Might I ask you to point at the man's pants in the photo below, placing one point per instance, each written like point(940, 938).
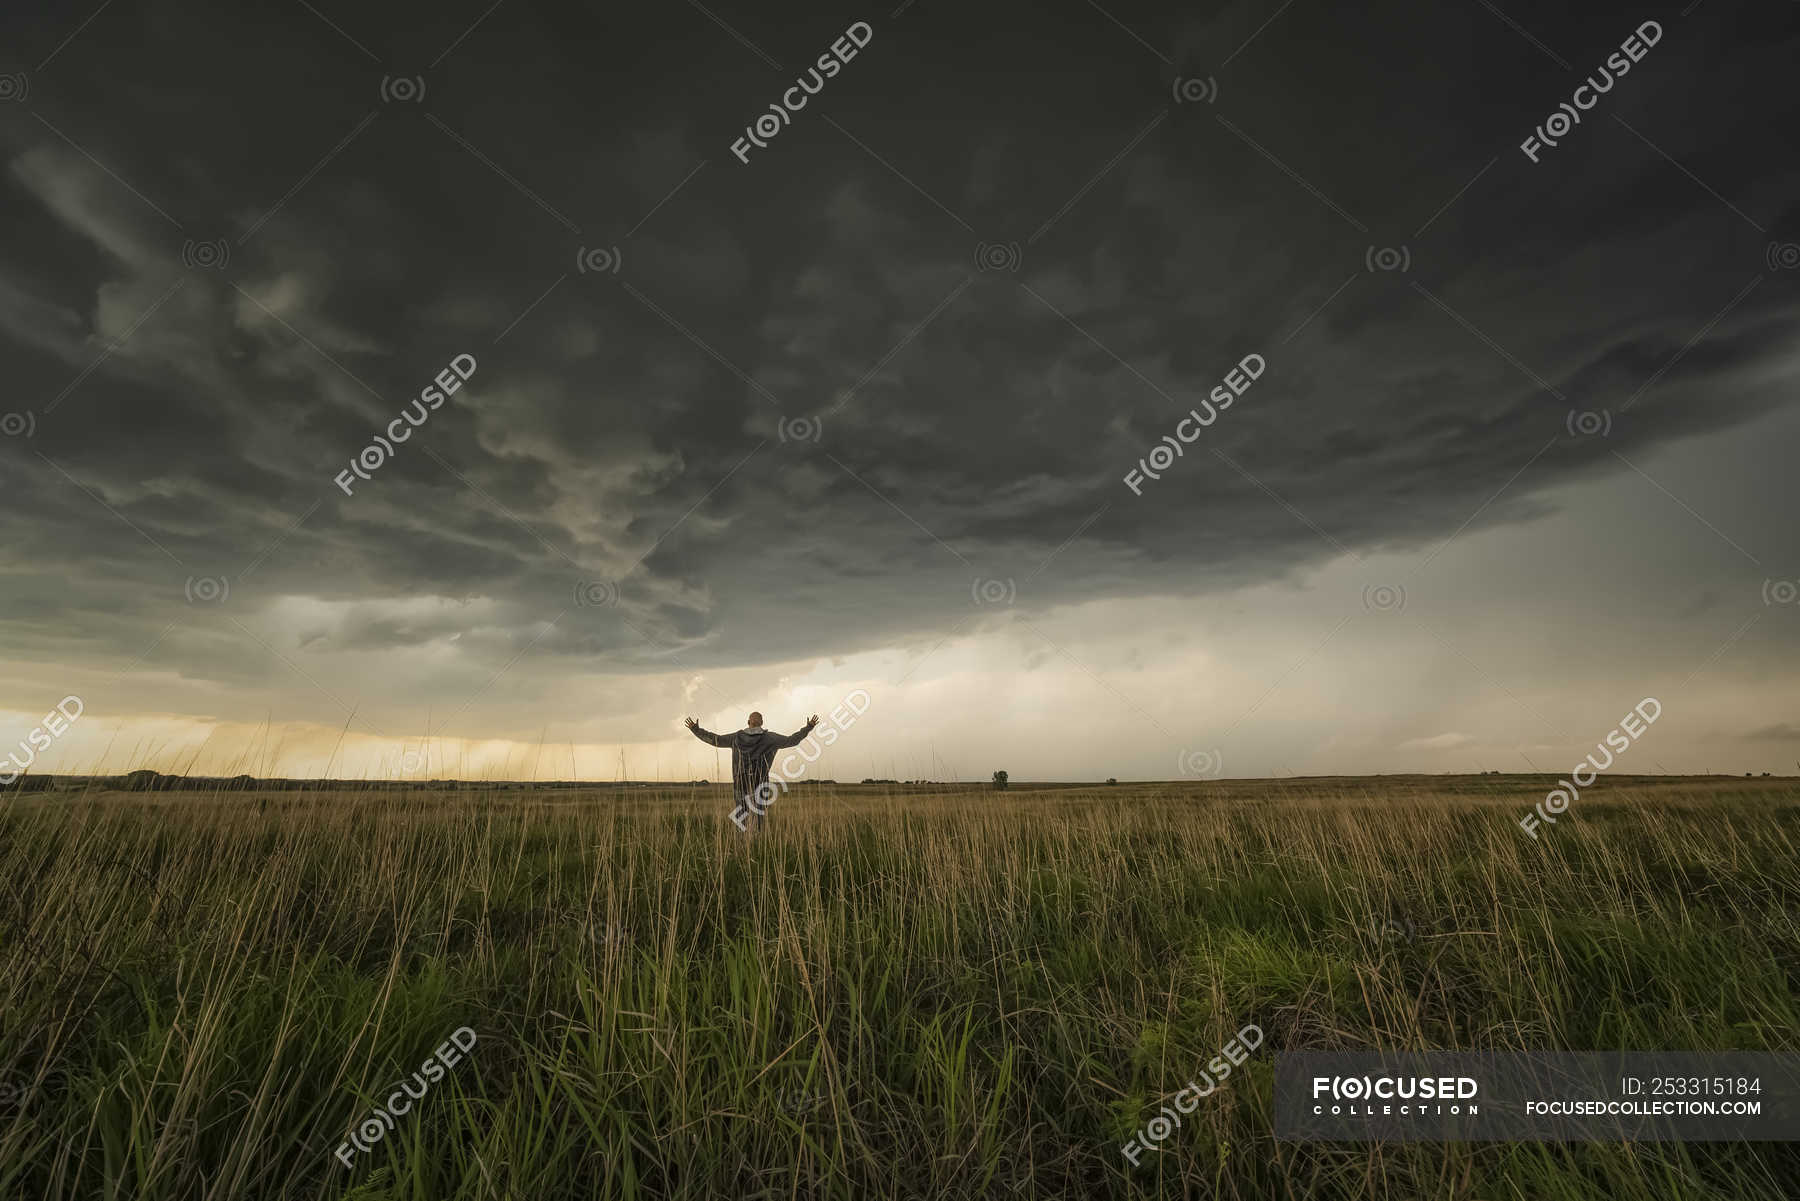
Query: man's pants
point(751, 813)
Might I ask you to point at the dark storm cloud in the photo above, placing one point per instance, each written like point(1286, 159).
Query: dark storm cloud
point(626, 431)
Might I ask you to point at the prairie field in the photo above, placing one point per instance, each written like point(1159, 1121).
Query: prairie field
point(917, 992)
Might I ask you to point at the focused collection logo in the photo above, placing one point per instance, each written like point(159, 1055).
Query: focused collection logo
point(1394, 1096)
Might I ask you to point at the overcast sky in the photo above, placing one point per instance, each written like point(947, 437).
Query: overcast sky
point(758, 426)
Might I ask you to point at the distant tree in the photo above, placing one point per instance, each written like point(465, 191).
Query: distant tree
point(1000, 778)
point(1112, 779)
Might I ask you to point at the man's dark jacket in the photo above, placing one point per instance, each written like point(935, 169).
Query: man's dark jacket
point(752, 751)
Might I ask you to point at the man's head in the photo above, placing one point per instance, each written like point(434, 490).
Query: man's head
point(755, 722)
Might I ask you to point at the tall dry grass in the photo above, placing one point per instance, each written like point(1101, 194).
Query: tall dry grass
point(963, 995)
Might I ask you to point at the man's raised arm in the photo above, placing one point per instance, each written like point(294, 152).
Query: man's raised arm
point(706, 736)
point(796, 739)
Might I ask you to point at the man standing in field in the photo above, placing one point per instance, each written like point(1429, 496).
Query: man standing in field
point(752, 751)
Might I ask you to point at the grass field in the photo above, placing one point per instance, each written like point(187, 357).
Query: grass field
point(959, 994)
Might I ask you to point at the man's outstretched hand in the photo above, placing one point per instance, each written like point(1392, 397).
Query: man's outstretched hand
point(692, 724)
point(813, 720)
